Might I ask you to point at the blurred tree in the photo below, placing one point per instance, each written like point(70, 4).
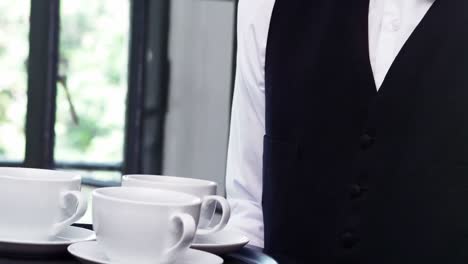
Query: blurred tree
point(14, 29)
point(93, 50)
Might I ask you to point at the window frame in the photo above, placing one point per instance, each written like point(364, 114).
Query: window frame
point(145, 36)
point(147, 92)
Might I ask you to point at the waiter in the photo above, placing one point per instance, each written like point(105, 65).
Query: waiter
point(349, 135)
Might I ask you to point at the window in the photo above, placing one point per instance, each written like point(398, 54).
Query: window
point(84, 84)
point(92, 83)
point(87, 107)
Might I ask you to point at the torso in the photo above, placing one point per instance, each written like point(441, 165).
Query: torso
point(356, 175)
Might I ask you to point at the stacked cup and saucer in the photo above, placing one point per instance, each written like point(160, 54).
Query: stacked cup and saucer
point(159, 220)
point(38, 208)
point(211, 235)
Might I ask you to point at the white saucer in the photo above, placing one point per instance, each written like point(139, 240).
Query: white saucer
point(220, 243)
point(39, 249)
point(90, 253)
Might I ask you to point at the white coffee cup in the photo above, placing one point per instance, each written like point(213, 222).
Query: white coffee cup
point(205, 190)
point(36, 204)
point(142, 225)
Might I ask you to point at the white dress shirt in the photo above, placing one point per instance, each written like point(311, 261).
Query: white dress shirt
point(391, 22)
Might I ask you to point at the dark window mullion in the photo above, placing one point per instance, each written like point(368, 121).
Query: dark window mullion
point(136, 87)
point(42, 83)
point(148, 87)
point(156, 90)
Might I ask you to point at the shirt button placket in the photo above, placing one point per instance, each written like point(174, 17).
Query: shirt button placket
point(395, 24)
point(390, 26)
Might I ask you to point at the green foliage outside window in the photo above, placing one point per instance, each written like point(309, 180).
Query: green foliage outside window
point(93, 68)
point(14, 47)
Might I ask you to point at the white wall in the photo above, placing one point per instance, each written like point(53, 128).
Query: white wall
point(201, 38)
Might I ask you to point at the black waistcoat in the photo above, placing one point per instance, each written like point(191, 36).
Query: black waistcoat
point(352, 175)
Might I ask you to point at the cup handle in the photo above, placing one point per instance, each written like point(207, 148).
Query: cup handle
point(224, 218)
point(82, 205)
point(189, 227)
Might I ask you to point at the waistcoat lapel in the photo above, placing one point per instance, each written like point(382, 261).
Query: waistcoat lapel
point(425, 42)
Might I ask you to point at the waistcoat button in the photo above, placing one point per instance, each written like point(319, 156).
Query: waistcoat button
point(348, 240)
point(367, 141)
point(356, 191)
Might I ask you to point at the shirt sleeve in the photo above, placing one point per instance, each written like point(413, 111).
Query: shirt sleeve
point(245, 153)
